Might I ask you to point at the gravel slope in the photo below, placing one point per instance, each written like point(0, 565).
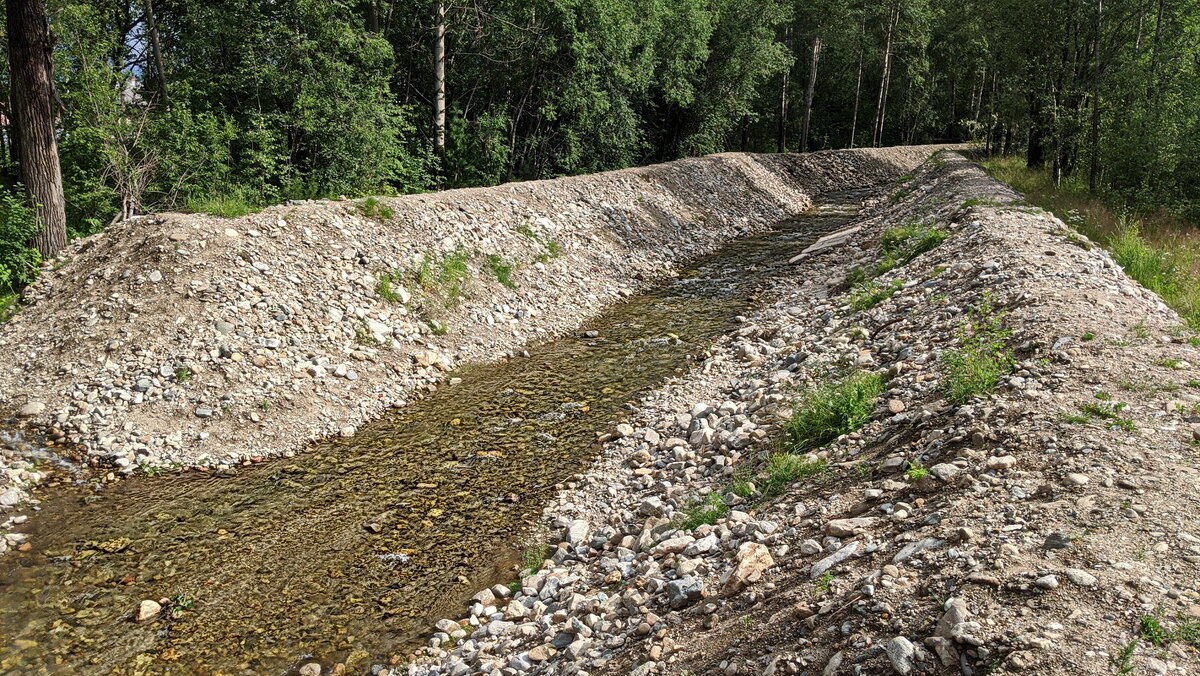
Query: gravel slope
point(1029, 530)
point(191, 340)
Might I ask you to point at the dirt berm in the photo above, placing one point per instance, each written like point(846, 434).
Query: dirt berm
point(1022, 496)
point(194, 340)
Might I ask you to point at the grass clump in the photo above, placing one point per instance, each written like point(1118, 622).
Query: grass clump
point(1110, 412)
point(502, 269)
point(827, 412)
point(532, 557)
point(901, 245)
point(984, 357)
point(704, 511)
point(445, 274)
point(785, 468)
point(371, 207)
point(869, 294)
point(226, 206)
point(385, 286)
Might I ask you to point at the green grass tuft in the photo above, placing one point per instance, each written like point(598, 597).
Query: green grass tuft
point(371, 207)
point(502, 269)
point(227, 206)
point(977, 366)
point(829, 411)
point(704, 511)
point(869, 294)
point(785, 468)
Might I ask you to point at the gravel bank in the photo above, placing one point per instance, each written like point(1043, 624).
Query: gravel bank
point(191, 340)
point(1030, 529)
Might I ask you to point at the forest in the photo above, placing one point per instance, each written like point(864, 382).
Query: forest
point(225, 107)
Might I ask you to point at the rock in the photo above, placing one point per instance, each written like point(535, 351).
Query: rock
point(10, 498)
point(902, 653)
point(651, 506)
point(913, 548)
point(1080, 577)
point(956, 614)
point(1001, 462)
point(1047, 582)
point(753, 559)
point(310, 669)
point(577, 532)
point(840, 528)
point(148, 610)
point(834, 663)
point(832, 560)
point(945, 471)
point(1076, 479)
point(31, 409)
point(1057, 541)
point(684, 591)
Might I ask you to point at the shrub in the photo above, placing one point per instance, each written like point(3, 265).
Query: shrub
point(230, 205)
point(827, 412)
point(18, 262)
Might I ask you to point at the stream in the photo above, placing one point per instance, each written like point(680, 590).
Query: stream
point(350, 551)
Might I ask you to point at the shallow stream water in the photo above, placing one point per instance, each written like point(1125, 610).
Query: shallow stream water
point(349, 551)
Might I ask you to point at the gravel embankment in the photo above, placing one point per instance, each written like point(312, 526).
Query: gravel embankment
point(1026, 530)
point(191, 340)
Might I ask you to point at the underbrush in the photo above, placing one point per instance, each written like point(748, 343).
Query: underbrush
point(1158, 249)
point(226, 206)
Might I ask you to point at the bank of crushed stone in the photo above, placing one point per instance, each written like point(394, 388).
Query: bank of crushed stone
point(1032, 537)
point(193, 340)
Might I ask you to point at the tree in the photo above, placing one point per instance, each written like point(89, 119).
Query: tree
point(33, 99)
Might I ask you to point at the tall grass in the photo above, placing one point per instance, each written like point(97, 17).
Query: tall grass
point(1158, 249)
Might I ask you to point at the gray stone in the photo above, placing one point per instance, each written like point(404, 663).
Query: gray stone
point(31, 409)
point(1080, 577)
point(684, 591)
point(1057, 541)
point(902, 653)
point(832, 560)
point(913, 548)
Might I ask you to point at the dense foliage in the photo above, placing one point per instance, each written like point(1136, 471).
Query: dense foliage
point(226, 106)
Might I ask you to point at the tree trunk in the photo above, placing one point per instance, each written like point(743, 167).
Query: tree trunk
point(33, 97)
point(885, 78)
point(1094, 164)
point(812, 86)
point(781, 123)
point(439, 79)
point(156, 47)
point(857, 84)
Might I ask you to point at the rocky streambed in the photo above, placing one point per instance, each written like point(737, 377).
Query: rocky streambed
point(342, 556)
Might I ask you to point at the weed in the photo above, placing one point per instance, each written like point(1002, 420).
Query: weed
point(916, 472)
point(1188, 631)
point(8, 306)
point(743, 488)
point(444, 274)
point(502, 269)
point(829, 411)
point(1088, 336)
point(1170, 362)
point(902, 244)
point(384, 286)
point(1140, 329)
point(264, 405)
point(373, 208)
point(1152, 629)
point(183, 374)
point(1109, 411)
point(784, 468)
point(977, 366)
point(1122, 660)
point(704, 511)
point(437, 328)
point(532, 557)
point(823, 584)
point(181, 603)
point(855, 276)
point(869, 294)
point(1103, 396)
